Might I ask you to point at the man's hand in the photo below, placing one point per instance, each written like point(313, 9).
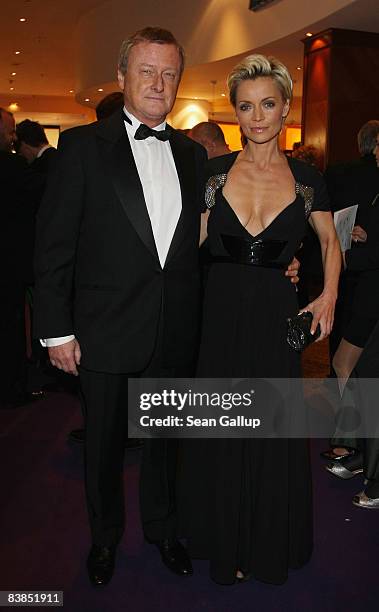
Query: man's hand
point(66, 357)
point(358, 234)
point(293, 270)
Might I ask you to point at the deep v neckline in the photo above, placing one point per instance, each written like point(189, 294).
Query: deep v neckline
point(254, 236)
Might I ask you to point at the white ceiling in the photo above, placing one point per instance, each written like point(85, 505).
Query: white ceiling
point(46, 64)
point(362, 15)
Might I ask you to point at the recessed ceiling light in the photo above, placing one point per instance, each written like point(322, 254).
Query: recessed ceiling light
point(13, 73)
point(100, 89)
point(309, 34)
point(196, 98)
point(11, 88)
point(22, 19)
point(71, 91)
point(223, 95)
point(86, 100)
point(298, 67)
point(17, 52)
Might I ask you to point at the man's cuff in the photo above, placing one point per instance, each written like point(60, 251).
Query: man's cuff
point(49, 342)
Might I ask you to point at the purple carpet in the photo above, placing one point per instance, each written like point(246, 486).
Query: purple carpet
point(45, 537)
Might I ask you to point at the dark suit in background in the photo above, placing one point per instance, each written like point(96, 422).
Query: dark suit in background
point(356, 182)
point(16, 196)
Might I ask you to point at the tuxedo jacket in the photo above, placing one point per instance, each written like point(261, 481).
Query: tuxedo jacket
point(17, 206)
point(45, 162)
point(41, 167)
point(97, 269)
point(363, 261)
point(355, 182)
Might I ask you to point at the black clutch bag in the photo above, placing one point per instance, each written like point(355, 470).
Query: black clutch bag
point(299, 331)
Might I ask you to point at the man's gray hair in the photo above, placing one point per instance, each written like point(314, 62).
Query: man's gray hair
point(367, 137)
point(152, 35)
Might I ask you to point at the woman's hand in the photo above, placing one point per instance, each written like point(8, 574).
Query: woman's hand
point(323, 313)
point(293, 270)
point(358, 234)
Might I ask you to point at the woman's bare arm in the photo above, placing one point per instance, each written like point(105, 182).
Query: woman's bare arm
point(322, 308)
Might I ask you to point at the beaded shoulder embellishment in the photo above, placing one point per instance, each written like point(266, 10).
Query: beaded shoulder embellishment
point(307, 193)
point(214, 183)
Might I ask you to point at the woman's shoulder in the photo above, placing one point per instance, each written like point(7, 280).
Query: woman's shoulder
point(311, 184)
point(220, 165)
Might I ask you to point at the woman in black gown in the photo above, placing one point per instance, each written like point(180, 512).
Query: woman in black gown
point(246, 504)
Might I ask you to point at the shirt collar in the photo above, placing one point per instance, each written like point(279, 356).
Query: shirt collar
point(42, 150)
point(136, 123)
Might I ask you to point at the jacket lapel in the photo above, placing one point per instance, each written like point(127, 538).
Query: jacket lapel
point(122, 170)
point(184, 162)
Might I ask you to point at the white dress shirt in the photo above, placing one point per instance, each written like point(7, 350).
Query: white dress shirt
point(161, 188)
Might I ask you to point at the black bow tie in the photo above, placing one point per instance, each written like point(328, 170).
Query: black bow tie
point(144, 131)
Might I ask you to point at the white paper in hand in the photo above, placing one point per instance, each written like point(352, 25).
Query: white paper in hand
point(344, 221)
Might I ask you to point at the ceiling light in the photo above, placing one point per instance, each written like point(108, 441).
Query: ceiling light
point(13, 73)
point(86, 100)
point(17, 52)
point(13, 106)
point(298, 67)
point(22, 19)
point(223, 95)
point(196, 98)
point(11, 88)
point(100, 89)
point(309, 34)
point(71, 91)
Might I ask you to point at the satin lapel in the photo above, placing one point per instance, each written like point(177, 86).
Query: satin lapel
point(185, 167)
point(124, 175)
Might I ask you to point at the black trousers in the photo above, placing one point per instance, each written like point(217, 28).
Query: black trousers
point(12, 327)
point(105, 410)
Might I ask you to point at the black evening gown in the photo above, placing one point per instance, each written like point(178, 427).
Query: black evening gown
point(246, 503)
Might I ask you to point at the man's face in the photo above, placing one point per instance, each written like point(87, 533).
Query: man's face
point(7, 132)
point(151, 81)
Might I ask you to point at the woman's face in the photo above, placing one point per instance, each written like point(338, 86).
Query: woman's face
point(260, 109)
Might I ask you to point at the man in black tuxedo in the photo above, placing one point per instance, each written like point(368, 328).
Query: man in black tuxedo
point(16, 191)
point(117, 286)
point(33, 144)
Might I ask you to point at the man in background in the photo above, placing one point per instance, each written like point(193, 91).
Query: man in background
point(211, 137)
point(32, 144)
point(16, 191)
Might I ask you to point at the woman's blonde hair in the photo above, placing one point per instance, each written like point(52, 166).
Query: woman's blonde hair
point(255, 66)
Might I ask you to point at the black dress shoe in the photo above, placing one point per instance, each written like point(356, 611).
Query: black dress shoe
point(175, 557)
point(100, 564)
point(77, 435)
